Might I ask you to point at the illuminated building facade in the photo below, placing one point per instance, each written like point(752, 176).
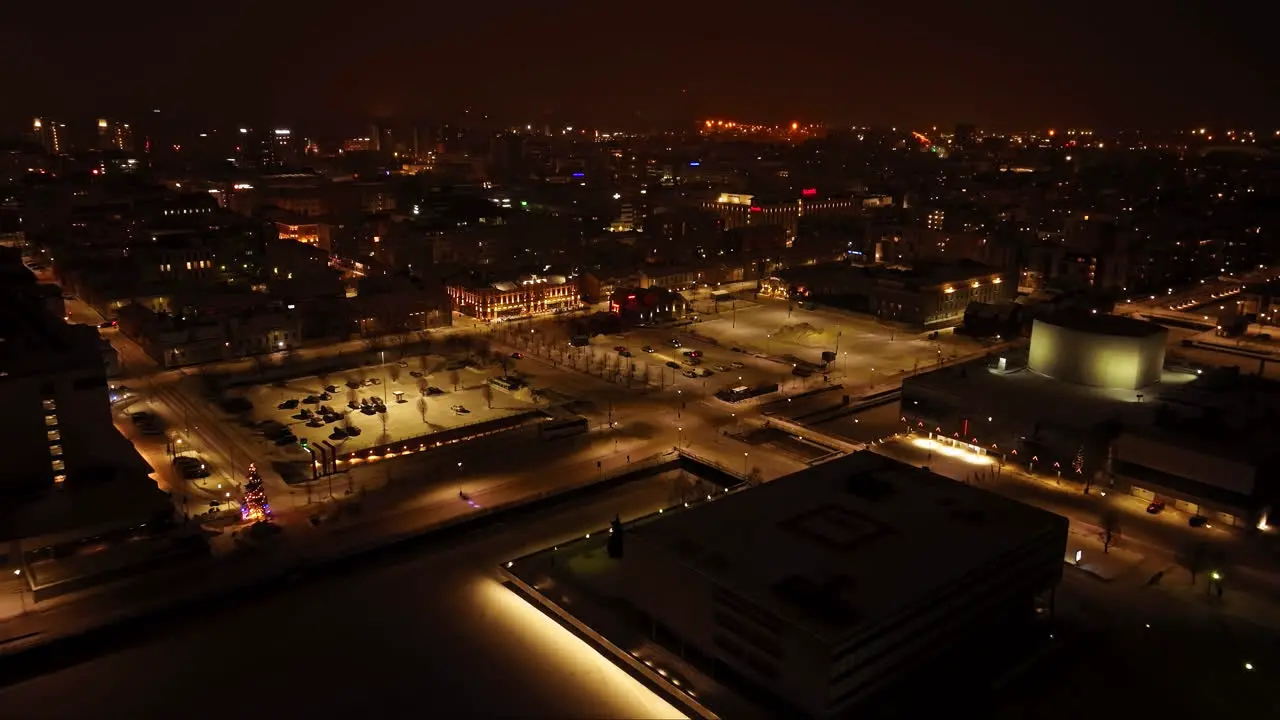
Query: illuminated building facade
point(57, 406)
point(308, 233)
point(739, 210)
point(526, 296)
point(49, 134)
point(114, 135)
point(1091, 392)
point(928, 295)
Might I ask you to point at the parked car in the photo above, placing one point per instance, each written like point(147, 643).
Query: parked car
point(517, 356)
point(460, 409)
point(736, 365)
point(1156, 507)
point(706, 373)
point(693, 353)
point(723, 368)
point(689, 374)
point(1198, 521)
point(415, 373)
point(289, 404)
point(107, 324)
point(191, 467)
point(433, 390)
point(624, 353)
point(673, 342)
point(673, 364)
point(647, 348)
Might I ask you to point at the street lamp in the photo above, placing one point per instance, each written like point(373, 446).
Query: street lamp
point(744, 463)
point(22, 595)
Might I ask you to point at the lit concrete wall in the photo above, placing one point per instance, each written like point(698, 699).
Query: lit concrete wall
point(1096, 359)
point(1180, 459)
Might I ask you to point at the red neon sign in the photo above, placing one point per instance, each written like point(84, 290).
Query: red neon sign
point(809, 191)
point(755, 209)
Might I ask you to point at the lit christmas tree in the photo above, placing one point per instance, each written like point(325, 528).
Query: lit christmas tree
point(1078, 463)
point(254, 507)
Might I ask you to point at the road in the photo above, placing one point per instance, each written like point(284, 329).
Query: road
point(1164, 539)
point(433, 635)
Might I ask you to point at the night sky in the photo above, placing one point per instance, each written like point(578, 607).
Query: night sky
point(322, 63)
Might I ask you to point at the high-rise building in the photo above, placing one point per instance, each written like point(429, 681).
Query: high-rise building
point(114, 135)
point(966, 136)
point(49, 134)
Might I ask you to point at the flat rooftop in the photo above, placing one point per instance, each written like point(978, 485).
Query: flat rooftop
point(1026, 393)
point(1104, 324)
point(848, 543)
point(1220, 411)
point(33, 342)
point(922, 274)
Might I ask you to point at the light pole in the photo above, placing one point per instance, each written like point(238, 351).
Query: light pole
point(679, 437)
point(744, 464)
point(22, 593)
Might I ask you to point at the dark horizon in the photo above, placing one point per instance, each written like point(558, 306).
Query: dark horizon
point(330, 65)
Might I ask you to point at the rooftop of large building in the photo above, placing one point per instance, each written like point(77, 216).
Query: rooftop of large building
point(919, 275)
point(981, 385)
point(34, 342)
point(1105, 324)
point(848, 542)
point(1216, 410)
point(509, 283)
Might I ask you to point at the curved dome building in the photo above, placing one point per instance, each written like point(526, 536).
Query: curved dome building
point(1098, 350)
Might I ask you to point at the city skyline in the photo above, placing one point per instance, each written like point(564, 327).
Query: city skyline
point(930, 64)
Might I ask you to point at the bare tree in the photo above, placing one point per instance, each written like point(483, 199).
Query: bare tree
point(480, 346)
point(393, 372)
point(385, 437)
point(454, 379)
point(487, 391)
point(1110, 522)
point(1197, 559)
point(422, 408)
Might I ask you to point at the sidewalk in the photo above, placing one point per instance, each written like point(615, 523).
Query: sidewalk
point(1108, 564)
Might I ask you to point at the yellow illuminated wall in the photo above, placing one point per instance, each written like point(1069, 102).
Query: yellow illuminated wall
point(1096, 359)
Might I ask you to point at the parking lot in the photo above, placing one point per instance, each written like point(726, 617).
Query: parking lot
point(378, 404)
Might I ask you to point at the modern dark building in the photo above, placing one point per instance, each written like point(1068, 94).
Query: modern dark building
point(831, 585)
point(925, 295)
